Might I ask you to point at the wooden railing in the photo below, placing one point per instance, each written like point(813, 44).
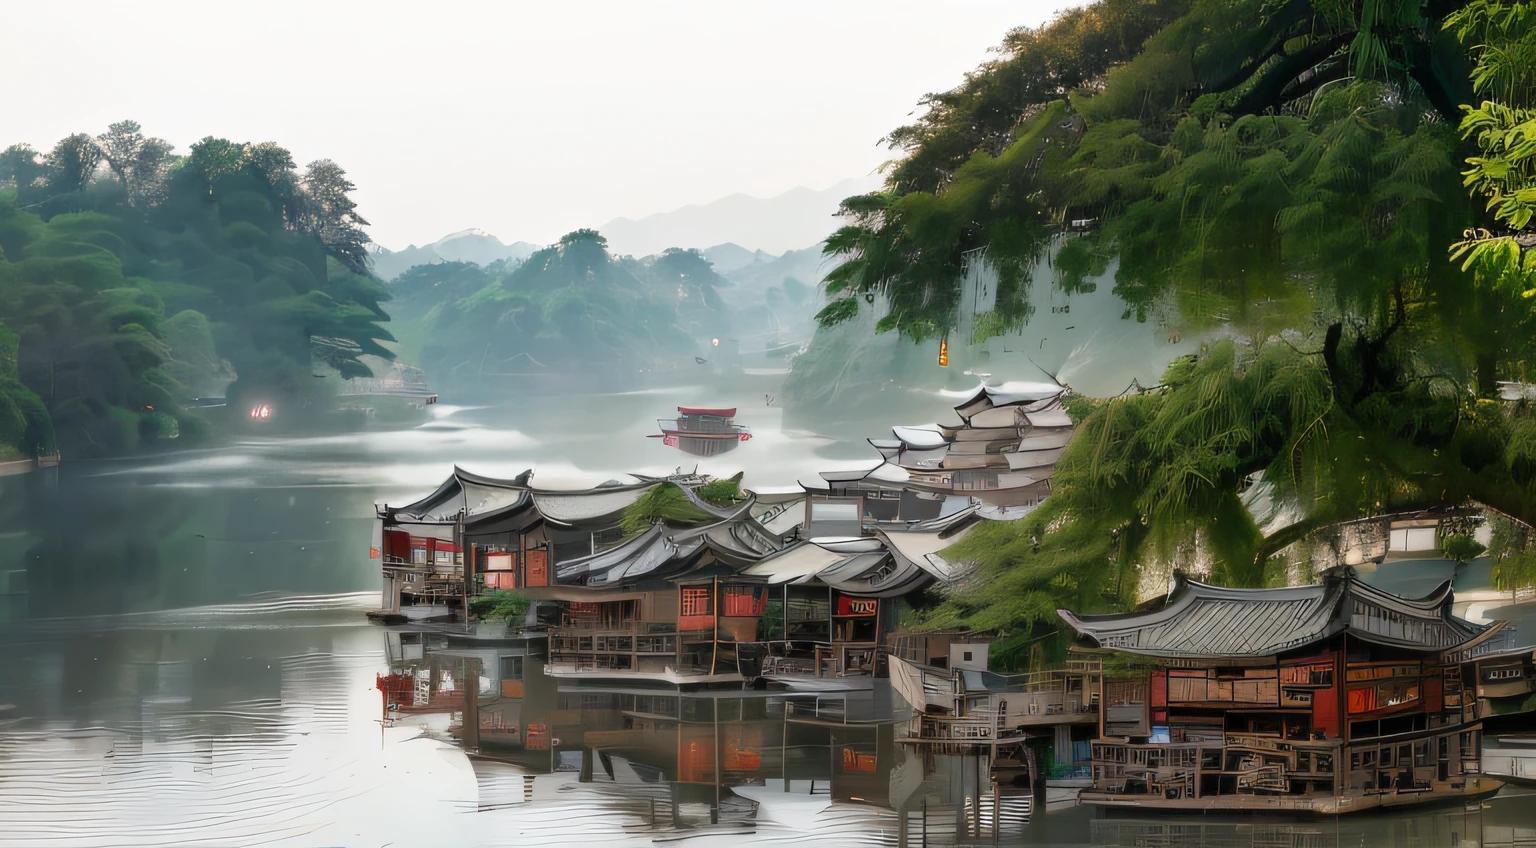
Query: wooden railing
point(981, 725)
point(817, 659)
point(639, 638)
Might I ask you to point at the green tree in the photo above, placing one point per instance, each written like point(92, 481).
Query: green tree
point(1284, 175)
point(1502, 37)
point(570, 309)
point(134, 280)
point(1513, 549)
point(696, 279)
point(22, 169)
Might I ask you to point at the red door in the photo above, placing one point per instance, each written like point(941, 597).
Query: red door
point(538, 568)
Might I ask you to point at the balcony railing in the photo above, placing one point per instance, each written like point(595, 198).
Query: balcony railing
point(817, 659)
point(1115, 758)
point(636, 639)
point(976, 726)
point(699, 426)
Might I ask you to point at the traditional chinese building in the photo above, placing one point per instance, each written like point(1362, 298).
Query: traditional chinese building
point(1329, 698)
point(733, 592)
point(1002, 453)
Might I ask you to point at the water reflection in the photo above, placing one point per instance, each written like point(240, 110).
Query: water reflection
point(268, 724)
point(183, 661)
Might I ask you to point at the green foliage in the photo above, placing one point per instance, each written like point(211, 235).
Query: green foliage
point(570, 309)
point(1033, 67)
point(770, 625)
point(192, 360)
point(1461, 548)
point(501, 604)
point(1283, 176)
point(722, 492)
point(1503, 127)
point(850, 355)
point(1512, 547)
point(695, 277)
point(664, 502)
point(908, 249)
point(135, 287)
point(1122, 666)
point(25, 428)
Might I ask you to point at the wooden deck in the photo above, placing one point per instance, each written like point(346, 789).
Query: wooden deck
point(1458, 791)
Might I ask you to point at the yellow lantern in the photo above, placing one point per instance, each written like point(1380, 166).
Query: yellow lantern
point(944, 353)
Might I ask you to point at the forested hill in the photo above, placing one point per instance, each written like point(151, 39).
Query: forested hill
point(1341, 191)
point(133, 279)
point(572, 315)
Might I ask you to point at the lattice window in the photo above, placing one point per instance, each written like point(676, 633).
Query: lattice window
point(696, 602)
point(745, 600)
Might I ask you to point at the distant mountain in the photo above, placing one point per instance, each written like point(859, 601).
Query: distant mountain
point(766, 270)
point(477, 246)
point(791, 220)
point(729, 257)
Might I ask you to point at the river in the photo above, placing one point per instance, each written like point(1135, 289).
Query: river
point(184, 659)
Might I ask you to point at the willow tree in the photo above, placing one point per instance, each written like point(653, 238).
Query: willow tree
point(1285, 177)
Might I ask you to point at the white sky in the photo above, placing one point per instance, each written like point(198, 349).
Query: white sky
point(524, 119)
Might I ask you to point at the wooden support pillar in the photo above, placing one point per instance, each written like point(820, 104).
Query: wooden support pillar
point(586, 766)
point(1036, 778)
point(471, 684)
point(997, 812)
point(714, 812)
point(464, 565)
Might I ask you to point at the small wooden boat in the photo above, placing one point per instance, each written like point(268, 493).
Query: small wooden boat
point(703, 431)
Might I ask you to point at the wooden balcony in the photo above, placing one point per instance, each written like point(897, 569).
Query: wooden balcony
point(821, 660)
point(635, 638)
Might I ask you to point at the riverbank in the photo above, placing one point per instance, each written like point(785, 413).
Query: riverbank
point(24, 466)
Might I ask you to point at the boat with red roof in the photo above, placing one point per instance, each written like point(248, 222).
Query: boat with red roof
point(703, 431)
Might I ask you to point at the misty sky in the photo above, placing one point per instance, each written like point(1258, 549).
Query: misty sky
point(524, 119)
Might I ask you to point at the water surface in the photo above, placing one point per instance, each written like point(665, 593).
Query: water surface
point(184, 661)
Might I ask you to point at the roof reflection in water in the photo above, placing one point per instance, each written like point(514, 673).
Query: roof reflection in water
point(252, 729)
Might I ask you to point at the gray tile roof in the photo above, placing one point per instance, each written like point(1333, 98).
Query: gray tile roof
point(1211, 621)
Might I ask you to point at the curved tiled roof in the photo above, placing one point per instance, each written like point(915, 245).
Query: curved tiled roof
point(1012, 392)
point(732, 511)
point(574, 507)
point(473, 494)
point(1049, 418)
point(1211, 621)
point(874, 575)
point(921, 437)
point(637, 557)
point(663, 551)
point(797, 562)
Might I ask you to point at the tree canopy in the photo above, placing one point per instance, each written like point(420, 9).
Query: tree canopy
point(571, 309)
point(133, 280)
point(1290, 179)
